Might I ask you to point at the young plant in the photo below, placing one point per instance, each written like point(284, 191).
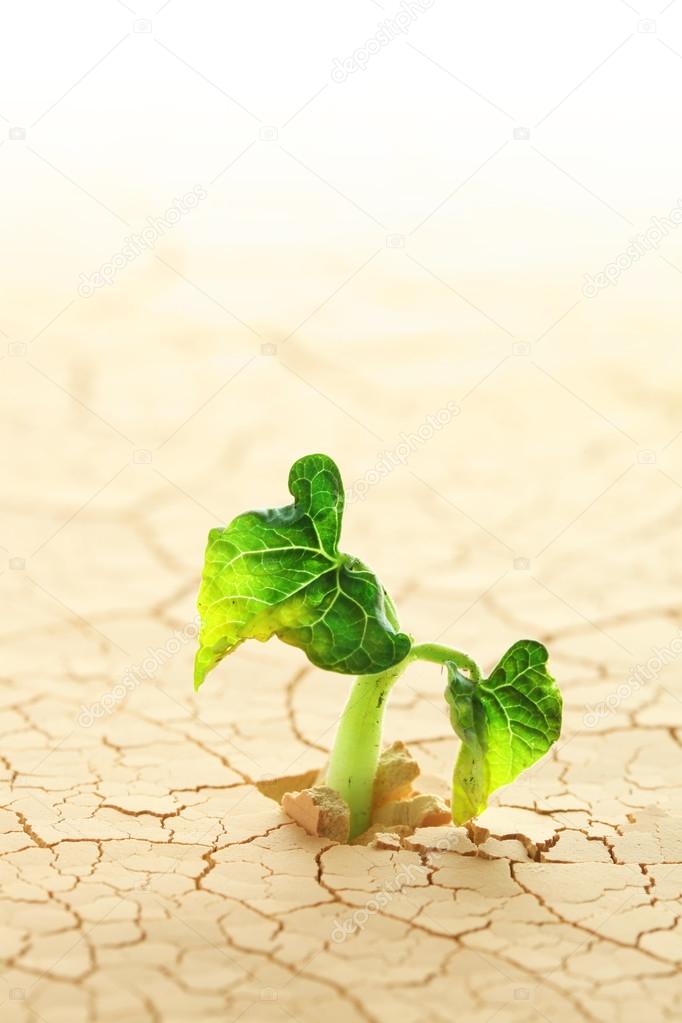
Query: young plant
point(279, 572)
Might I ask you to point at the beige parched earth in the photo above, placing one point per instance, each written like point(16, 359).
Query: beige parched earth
point(144, 877)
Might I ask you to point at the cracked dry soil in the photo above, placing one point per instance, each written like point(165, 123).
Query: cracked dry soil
point(143, 874)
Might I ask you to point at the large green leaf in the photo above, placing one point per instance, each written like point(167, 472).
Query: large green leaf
point(279, 572)
point(506, 723)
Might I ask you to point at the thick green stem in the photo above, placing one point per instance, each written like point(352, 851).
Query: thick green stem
point(354, 758)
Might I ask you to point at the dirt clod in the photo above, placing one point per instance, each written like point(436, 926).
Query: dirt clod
point(396, 771)
point(320, 811)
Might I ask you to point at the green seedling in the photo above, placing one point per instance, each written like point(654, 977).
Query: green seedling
point(279, 572)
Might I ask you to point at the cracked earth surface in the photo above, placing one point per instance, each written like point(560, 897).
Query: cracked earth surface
point(143, 874)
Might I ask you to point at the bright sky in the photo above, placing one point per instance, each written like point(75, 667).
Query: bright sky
point(491, 138)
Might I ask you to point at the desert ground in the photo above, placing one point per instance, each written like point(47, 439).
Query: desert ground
point(144, 875)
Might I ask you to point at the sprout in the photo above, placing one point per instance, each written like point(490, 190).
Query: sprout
point(279, 572)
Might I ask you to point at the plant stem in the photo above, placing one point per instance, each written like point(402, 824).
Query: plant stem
point(355, 755)
point(438, 654)
point(354, 758)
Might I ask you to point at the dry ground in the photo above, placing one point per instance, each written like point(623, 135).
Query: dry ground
point(143, 875)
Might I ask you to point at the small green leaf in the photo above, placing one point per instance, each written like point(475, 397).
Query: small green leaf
point(279, 572)
point(506, 723)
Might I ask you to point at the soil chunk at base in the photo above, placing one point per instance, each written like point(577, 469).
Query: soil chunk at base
point(320, 811)
point(422, 811)
point(396, 771)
